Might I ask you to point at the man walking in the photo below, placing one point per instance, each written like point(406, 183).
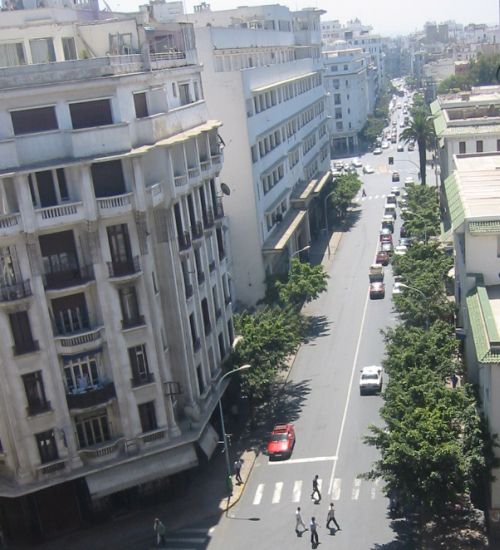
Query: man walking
point(316, 489)
point(160, 531)
point(299, 522)
point(331, 517)
point(313, 526)
point(237, 470)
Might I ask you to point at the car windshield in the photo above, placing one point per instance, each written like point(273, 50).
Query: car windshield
point(279, 437)
point(369, 377)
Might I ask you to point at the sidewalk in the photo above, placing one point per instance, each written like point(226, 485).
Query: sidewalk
point(205, 498)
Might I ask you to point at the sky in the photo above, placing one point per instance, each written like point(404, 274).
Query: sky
point(387, 17)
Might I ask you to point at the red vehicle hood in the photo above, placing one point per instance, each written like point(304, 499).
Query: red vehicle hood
point(278, 446)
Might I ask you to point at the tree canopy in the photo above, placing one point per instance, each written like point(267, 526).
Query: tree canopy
point(479, 72)
point(305, 283)
point(421, 130)
point(345, 189)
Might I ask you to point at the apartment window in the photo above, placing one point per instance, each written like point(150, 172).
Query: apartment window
point(174, 89)
point(88, 114)
point(255, 156)
point(194, 332)
point(206, 317)
point(108, 179)
point(21, 333)
point(346, 67)
point(48, 187)
point(339, 126)
point(81, 373)
point(222, 347)
point(8, 266)
point(120, 249)
point(334, 68)
point(35, 393)
point(130, 307)
point(147, 416)
point(199, 376)
point(141, 105)
point(59, 256)
point(479, 146)
point(92, 430)
point(42, 50)
point(336, 99)
point(47, 447)
point(184, 94)
point(12, 55)
point(70, 314)
point(69, 48)
point(30, 121)
point(338, 113)
point(462, 148)
point(139, 365)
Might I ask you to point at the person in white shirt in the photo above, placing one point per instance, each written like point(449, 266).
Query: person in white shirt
point(299, 522)
point(313, 526)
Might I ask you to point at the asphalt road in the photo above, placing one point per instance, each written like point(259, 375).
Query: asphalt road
point(322, 399)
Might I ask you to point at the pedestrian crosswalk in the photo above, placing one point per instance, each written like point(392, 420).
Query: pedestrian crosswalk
point(298, 490)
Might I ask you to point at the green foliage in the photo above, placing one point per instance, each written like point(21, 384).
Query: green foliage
point(372, 129)
point(455, 82)
point(422, 218)
point(305, 283)
point(272, 294)
point(480, 72)
point(345, 189)
point(421, 130)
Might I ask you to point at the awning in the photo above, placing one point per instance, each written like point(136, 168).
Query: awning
point(141, 470)
point(278, 240)
point(208, 440)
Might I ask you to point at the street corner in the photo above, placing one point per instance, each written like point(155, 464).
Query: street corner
point(248, 458)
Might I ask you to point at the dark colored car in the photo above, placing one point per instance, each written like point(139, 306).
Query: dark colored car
point(395, 176)
point(377, 290)
point(281, 441)
point(382, 258)
point(403, 232)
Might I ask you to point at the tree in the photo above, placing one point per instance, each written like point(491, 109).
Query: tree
point(479, 72)
point(305, 283)
point(345, 189)
point(422, 217)
point(421, 130)
point(455, 82)
point(372, 129)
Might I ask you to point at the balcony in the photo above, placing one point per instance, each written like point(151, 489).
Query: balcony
point(10, 223)
point(59, 214)
point(138, 321)
point(152, 437)
point(180, 180)
point(211, 266)
point(26, 347)
point(116, 205)
point(155, 193)
point(196, 344)
point(100, 453)
point(124, 268)
point(52, 467)
point(142, 379)
point(38, 408)
point(184, 240)
point(205, 165)
point(17, 291)
point(101, 140)
point(91, 396)
point(89, 339)
point(197, 230)
point(193, 172)
point(189, 291)
point(69, 278)
point(219, 209)
point(201, 277)
point(208, 218)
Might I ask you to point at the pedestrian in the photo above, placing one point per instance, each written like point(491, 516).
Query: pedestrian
point(298, 521)
point(313, 526)
point(454, 380)
point(316, 489)
point(363, 194)
point(160, 531)
point(331, 517)
point(237, 470)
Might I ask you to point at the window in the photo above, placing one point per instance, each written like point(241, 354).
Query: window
point(47, 447)
point(194, 332)
point(12, 55)
point(479, 146)
point(92, 430)
point(8, 266)
point(139, 365)
point(462, 148)
point(130, 307)
point(346, 67)
point(60, 260)
point(21, 333)
point(498, 144)
point(42, 50)
point(48, 187)
point(119, 246)
point(338, 112)
point(81, 373)
point(199, 376)
point(87, 114)
point(35, 393)
point(108, 179)
point(184, 94)
point(174, 89)
point(30, 121)
point(141, 105)
point(70, 314)
point(222, 347)
point(147, 416)
point(69, 48)
point(336, 99)
point(339, 126)
point(206, 317)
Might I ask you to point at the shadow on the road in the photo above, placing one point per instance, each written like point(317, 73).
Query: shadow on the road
point(406, 537)
point(318, 325)
point(244, 519)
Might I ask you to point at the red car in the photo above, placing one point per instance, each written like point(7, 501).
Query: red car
point(382, 258)
point(386, 238)
point(281, 441)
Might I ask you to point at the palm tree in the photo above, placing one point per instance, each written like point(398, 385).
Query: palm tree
point(421, 130)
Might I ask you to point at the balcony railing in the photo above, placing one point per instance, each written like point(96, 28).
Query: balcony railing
point(124, 268)
point(51, 467)
point(219, 209)
point(193, 172)
point(197, 230)
point(59, 210)
point(68, 278)
point(79, 339)
point(172, 388)
point(205, 165)
point(180, 180)
point(153, 436)
point(9, 220)
point(208, 218)
point(16, 291)
point(201, 277)
point(189, 290)
point(184, 240)
point(107, 449)
point(135, 322)
point(117, 201)
point(143, 379)
point(38, 408)
point(26, 347)
point(91, 396)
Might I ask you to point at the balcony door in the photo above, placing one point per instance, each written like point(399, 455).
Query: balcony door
point(60, 261)
point(119, 246)
point(70, 314)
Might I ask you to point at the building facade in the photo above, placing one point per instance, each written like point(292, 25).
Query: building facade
point(115, 300)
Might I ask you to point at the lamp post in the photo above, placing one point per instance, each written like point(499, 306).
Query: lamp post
point(224, 435)
point(403, 285)
point(293, 254)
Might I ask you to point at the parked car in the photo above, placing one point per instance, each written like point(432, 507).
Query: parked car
point(403, 232)
point(386, 246)
point(400, 250)
point(395, 176)
point(388, 223)
point(385, 145)
point(281, 441)
point(385, 238)
point(400, 147)
point(377, 290)
point(356, 163)
point(409, 180)
point(406, 241)
point(367, 169)
point(391, 199)
point(377, 151)
point(402, 202)
point(395, 189)
point(382, 258)
point(376, 273)
point(371, 380)
point(390, 210)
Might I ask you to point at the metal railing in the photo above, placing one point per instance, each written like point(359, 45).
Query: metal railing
point(142, 379)
point(184, 240)
point(16, 291)
point(208, 218)
point(123, 268)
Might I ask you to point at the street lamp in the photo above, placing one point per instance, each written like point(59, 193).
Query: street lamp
point(295, 254)
point(403, 285)
point(224, 435)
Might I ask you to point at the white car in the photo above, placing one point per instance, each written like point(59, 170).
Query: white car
point(400, 250)
point(409, 180)
point(377, 151)
point(371, 380)
point(401, 148)
point(356, 163)
point(385, 145)
point(395, 190)
point(367, 169)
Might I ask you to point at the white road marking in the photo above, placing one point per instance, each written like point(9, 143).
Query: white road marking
point(302, 460)
point(337, 482)
point(297, 491)
point(373, 492)
point(320, 484)
point(355, 489)
point(278, 487)
point(258, 494)
point(349, 391)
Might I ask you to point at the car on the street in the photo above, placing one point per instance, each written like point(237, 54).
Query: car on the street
point(367, 169)
point(395, 176)
point(382, 258)
point(377, 290)
point(403, 232)
point(385, 145)
point(371, 379)
point(388, 223)
point(338, 164)
point(395, 190)
point(356, 163)
point(400, 250)
point(394, 138)
point(391, 199)
point(409, 180)
point(386, 247)
point(400, 148)
point(281, 441)
point(385, 237)
point(411, 146)
point(377, 151)
point(390, 210)
point(402, 202)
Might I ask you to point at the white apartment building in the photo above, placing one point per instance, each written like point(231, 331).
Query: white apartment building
point(467, 122)
point(350, 98)
point(473, 197)
point(262, 77)
point(115, 304)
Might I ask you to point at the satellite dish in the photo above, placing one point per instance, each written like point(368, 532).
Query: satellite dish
point(225, 189)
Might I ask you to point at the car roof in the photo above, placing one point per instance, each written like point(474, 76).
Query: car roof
point(282, 428)
point(371, 368)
